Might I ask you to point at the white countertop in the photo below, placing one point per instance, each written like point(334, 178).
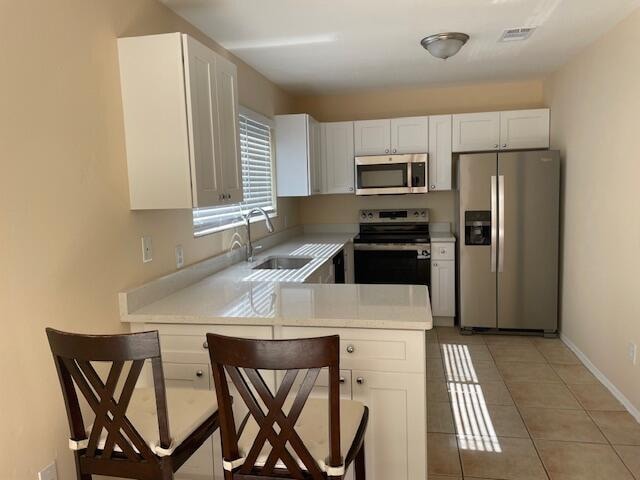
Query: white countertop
point(222, 302)
point(240, 295)
point(442, 237)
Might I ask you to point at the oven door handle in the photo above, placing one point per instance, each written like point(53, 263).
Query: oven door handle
point(390, 247)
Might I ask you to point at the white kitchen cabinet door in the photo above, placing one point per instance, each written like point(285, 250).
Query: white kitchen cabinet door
point(180, 113)
point(297, 148)
point(229, 159)
point(316, 166)
point(395, 441)
point(476, 132)
point(523, 129)
point(337, 157)
point(196, 376)
point(372, 137)
point(410, 135)
point(440, 152)
point(443, 284)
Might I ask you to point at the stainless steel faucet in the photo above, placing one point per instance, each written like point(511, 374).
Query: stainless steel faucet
point(247, 219)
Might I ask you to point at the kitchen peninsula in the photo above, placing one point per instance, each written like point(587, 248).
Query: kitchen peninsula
point(381, 328)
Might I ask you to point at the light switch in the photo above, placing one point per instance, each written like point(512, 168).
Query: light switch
point(147, 249)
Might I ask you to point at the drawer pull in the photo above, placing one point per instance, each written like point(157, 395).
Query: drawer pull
point(350, 349)
point(199, 373)
point(359, 380)
point(205, 345)
point(342, 380)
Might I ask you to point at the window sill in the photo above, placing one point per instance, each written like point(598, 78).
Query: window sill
point(229, 226)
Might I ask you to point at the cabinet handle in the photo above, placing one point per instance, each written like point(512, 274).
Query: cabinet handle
point(504, 146)
point(342, 380)
point(350, 349)
point(351, 189)
point(496, 146)
point(359, 380)
point(205, 345)
point(394, 150)
point(386, 150)
point(433, 187)
point(199, 373)
point(443, 251)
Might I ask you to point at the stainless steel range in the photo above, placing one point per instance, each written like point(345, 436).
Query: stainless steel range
point(393, 247)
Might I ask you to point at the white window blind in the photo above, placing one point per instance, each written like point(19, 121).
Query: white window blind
point(256, 151)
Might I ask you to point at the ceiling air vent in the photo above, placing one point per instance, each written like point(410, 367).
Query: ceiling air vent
point(516, 34)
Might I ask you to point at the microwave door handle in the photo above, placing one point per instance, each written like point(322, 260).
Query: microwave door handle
point(409, 176)
point(494, 222)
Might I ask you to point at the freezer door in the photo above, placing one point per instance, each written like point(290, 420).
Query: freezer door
point(529, 186)
point(476, 174)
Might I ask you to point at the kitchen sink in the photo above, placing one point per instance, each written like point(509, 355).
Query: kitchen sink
point(282, 263)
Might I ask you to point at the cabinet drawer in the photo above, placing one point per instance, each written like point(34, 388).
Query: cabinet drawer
point(443, 251)
point(184, 375)
point(321, 387)
point(187, 343)
point(381, 350)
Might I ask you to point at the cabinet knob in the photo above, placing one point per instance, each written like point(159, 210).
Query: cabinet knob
point(504, 146)
point(359, 380)
point(199, 373)
point(342, 380)
point(205, 345)
point(350, 349)
point(443, 251)
point(351, 189)
point(386, 150)
point(435, 264)
point(496, 146)
point(433, 187)
point(394, 150)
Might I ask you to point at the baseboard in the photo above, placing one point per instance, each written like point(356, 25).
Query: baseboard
point(601, 376)
point(443, 321)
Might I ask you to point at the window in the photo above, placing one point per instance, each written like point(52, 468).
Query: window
point(256, 152)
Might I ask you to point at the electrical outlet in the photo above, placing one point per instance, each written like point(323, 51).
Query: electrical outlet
point(179, 256)
point(147, 249)
point(632, 352)
point(49, 472)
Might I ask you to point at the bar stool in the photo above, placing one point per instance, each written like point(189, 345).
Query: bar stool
point(140, 433)
point(286, 435)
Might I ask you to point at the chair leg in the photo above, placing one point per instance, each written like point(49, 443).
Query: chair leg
point(81, 476)
point(359, 464)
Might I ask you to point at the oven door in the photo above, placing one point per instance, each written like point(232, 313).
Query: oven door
point(392, 264)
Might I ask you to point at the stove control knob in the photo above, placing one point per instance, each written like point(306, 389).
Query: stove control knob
point(363, 215)
point(415, 214)
point(370, 215)
point(423, 214)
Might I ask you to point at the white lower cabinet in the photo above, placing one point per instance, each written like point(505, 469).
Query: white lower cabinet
point(395, 444)
point(384, 369)
point(196, 376)
point(443, 285)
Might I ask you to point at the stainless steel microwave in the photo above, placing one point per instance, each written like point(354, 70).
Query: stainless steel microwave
point(392, 174)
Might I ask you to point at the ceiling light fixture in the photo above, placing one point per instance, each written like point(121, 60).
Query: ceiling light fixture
point(444, 45)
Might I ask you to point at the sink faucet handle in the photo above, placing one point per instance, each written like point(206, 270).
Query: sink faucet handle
point(257, 248)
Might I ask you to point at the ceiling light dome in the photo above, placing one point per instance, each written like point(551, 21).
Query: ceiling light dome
point(444, 45)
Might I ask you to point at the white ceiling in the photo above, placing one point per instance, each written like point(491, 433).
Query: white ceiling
point(320, 46)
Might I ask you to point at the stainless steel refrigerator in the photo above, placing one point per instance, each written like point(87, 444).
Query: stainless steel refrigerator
point(509, 229)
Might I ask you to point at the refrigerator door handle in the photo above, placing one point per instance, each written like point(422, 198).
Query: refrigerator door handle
point(500, 223)
point(494, 222)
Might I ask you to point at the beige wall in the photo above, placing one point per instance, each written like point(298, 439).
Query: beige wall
point(595, 100)
point(68, 242)
point(407, 102)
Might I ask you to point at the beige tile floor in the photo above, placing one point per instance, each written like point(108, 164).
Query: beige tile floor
point(522, 408)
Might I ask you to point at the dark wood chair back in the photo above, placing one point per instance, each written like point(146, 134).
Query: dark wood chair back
point(241, 359)
point(73, 354)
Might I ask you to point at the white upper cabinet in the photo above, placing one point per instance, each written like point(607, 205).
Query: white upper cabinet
point(298, 167)
point(372, 137)
point(410, 135)
point(231, 168)
point(476, 132)
point(180, 106)
point(512, 130)
point(522, 129)
point(440, 153)
point(337, 157)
